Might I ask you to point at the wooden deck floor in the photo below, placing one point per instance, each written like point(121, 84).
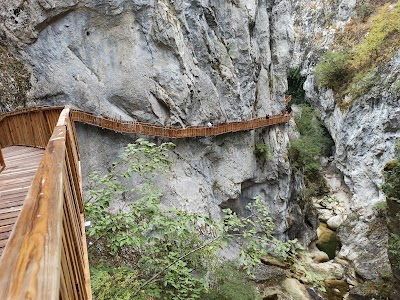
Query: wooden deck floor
point(15, 181)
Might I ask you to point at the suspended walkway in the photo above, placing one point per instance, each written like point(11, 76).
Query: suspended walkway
point(42, 237)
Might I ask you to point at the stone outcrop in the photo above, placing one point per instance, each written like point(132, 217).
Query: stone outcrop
point(14, 81)
point(175, 63)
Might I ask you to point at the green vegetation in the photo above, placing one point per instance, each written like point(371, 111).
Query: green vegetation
point(369, 43)
point(228, 283)
point(139, 250)
point(295, 85)
point(391, 173)
point(391, 188)
point(364, 11)
point(394, 250)
point(380, 208)
point(332, 69)
point(395, 88)
point(383, 35)
point(305, 152)
point(262, 150)
point(314, 141)
point(362, 83)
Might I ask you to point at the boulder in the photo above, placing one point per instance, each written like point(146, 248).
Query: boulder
point(295, 289)
point(334, 222)
point(269, 274)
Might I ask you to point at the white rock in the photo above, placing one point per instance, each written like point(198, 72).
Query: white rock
point(334, 222)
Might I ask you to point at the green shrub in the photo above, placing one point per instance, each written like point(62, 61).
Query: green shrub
point(381, 208)
point(332, 69)
point(362, 83)
point(263, 151)
point(382, 40)
point(112, 283)
point(394, 250)
point(395, 88)
point(305, 152)
point(391, 174)
point(295, 85)
point(364, 11)
point(164, 253)
point(228, 283)
point(370, 41)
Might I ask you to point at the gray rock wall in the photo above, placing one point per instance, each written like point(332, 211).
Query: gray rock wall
point(174, 63)
point(364, 134)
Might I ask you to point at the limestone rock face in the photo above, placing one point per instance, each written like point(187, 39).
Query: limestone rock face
point(175, 63)
point(179, 62)
point(364, 133)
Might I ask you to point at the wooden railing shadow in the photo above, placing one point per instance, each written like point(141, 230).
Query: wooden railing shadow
point(45, 256)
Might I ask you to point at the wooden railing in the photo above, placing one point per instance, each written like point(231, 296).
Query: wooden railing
point(45, 256)
point(28, 127)
point(2, 163)
point(45, 119)
point(171, 132)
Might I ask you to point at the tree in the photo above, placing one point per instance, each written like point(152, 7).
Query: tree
point(164, 252)
point(391, 188)
point(332, 69)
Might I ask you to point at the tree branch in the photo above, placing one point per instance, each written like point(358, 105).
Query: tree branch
point(174, 262)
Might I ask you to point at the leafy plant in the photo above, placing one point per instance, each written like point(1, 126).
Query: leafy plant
point(375, 46)
point(391, 174)
point(362, 83)
point(364, 11)
point(332, 69)
point(168, 251)
point(391, 188)
point(228, 283)
point(263, 151)
point(381, 208)
point(295, 85)
point(112, 283)
point(394, 250)
point(304, 152)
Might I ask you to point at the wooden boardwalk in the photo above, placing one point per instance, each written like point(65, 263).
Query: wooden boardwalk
point(15, 181)
point(43, 251)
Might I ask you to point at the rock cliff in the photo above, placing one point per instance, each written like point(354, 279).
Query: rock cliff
point(175, 63)
point(364, 132)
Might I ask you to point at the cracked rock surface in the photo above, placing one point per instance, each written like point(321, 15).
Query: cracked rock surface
point(175, 63)
point(364, 133)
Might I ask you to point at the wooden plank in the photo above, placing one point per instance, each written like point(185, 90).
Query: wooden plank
point(86, 261)
point(37, 232)
point(6, 228)
point(2, 163)
point(11, 221)
point(15, 181)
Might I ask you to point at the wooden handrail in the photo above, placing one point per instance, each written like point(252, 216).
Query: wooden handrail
point(28, 127)
point(177, 133)
point(44, 118)
point(2, 163)
point(45, 257)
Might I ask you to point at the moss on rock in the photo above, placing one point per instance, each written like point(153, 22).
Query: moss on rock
point(14, 81)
